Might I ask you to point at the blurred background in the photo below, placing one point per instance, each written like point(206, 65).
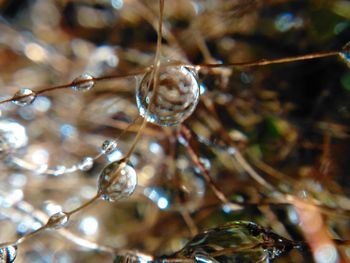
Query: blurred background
point(290, 121)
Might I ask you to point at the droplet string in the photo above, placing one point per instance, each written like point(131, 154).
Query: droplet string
point(81, 81)
point(41, 217)
point(84, 165)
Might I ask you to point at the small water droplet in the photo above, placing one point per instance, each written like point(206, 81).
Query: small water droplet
point(58, 220)
point(204, 258)
point(24, 97)
point(8, 254)
point(83, 83)
point(108, 146)
point(177, 96)
point(86, 164)
point(59, 170)
point(345, 53)
point(124, 182)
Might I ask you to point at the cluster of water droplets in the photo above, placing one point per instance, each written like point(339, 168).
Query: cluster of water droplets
point(86, 164)
point(26, 96)
point(173, 100)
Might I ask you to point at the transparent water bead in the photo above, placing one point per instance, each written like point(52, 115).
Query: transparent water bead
point(108, 146)
point(12, 135)
point(86, 164)
point(177, 96)
point(59, 170)
point(203, 258)
point(58, 220)
point(8, 254)
point(83, 83)
point(232, 242)
point(117, 180)
point(24, 97)
point(345, 54)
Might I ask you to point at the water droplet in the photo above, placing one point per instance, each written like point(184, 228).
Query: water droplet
point(58, 220)
point(220, 244)
point(83, 83)
point(8, 254)
point(177, 96)
point(86, 164)
point(24, 97)
point(204, 258)
point(345, 54)
point(124, 182)
point(12, 135)
point(108, 146)
point(59, 170)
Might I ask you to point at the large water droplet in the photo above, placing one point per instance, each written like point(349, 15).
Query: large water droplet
point(83, 83)
point(8, 254)
point(108, 146)
point(233, 242)
point(24, 97)
point(177, 96)
point(345, 54)
point(58, 220)
point(117, 180)
point(12, 135)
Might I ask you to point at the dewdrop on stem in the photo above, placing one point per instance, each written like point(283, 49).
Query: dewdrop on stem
point(24, 97)
point(86, 164)
point(8, 253)
point(345, 53)
point(176, 97)
point(108, 146)
point(117, 180)
point(58, 220)
point(83, 83)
